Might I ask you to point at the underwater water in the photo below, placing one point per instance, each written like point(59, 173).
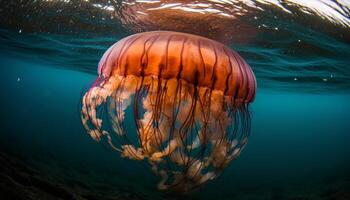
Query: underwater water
point(299, 142)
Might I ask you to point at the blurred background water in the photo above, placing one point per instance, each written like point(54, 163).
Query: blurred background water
point(299, 144)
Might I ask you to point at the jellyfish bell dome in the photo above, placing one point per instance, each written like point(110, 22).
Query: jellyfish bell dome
point(168, 54)
point(189, 97)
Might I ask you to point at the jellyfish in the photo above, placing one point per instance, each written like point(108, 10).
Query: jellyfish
point(189, 101)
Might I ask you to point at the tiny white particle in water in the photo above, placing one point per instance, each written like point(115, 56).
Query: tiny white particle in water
point(325, 79)
point(299, 40)
point(276, 28)
point(18, 79)
point(295, 79)
point(332, 76)
point(20, 31)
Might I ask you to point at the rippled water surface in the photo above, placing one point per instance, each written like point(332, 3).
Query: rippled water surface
point(298, 50)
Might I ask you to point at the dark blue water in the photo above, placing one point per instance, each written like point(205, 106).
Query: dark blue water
point(298, 147)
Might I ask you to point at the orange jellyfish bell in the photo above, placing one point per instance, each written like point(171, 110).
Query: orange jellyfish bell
point(188, 97)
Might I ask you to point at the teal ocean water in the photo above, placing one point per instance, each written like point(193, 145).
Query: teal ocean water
point(298, 147)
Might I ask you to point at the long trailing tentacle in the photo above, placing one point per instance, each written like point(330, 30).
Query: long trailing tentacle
point(189, 134)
